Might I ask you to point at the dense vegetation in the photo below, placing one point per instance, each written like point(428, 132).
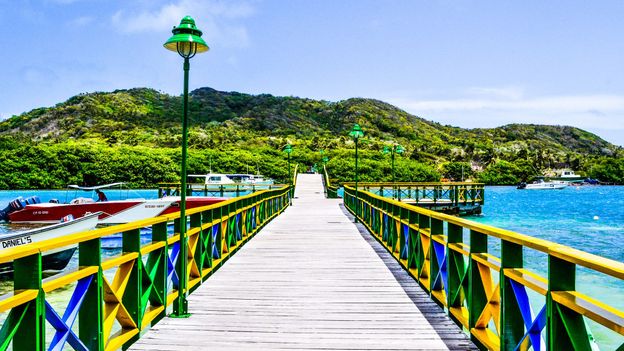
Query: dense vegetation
point(134, 136)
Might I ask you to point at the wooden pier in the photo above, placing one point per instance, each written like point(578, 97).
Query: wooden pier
point(309, 280)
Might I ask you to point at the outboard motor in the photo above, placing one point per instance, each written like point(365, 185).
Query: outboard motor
point(13, 206)
point(33, 200)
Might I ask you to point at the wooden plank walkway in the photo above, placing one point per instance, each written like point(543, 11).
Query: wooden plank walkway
point(308, 281)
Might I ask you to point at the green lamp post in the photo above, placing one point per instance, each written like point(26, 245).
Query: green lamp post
point(187, 42)
point(395, 149)
point(288, 150)
point(356, 133)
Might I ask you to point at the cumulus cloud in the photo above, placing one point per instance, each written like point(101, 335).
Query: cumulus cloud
point(217, 19)
point(80, 21)
point(490, 107)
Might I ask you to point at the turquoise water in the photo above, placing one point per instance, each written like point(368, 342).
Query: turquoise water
point(588, 218)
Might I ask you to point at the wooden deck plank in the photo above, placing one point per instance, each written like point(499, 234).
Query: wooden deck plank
point(308, 281)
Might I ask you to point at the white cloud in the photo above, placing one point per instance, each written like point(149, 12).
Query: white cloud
point(217, 20)
point(80, 21)
point(510, 92)
point(63, 2)
point(495, 107)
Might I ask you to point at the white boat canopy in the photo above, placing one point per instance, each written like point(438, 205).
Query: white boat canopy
point(86, 188)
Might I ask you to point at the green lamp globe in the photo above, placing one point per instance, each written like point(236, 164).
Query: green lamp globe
point(399, 149)
point(186, 39)
point(356, 132)
point(288, 148)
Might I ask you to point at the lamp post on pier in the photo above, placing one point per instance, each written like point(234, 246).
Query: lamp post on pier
point(288, 149)
point(394, 149)
point(187, 42)
point(356, 133)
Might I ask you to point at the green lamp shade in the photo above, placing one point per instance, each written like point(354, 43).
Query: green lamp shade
point(186, 39)
point(386, 150)
point(399, 149)
point(356, 132)
point(288, 148)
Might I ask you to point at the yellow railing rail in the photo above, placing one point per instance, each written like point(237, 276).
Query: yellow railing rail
point(492, 296)
point(331, 191)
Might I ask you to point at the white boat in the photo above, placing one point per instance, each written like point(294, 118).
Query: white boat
point(32, 210)
point(211, 179)
point(254, 179)
point(540, 184)
point(566, 173)
point(56, 259)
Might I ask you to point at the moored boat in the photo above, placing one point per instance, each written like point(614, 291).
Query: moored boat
point(56, 259)
point(32, 210)
point(254, 179)
point(541, 184)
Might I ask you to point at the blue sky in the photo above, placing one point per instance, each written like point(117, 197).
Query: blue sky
point(464, 63)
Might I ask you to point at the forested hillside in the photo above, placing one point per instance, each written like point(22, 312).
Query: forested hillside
point(134, 136)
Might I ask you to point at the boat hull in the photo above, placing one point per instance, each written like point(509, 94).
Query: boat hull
point(545, 186)
point(112, 212)
point(56, 259)
point(51, 262)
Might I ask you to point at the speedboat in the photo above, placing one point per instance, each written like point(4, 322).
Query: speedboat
point(254, 179)
point(32, 210)
point(56, 259)
point(540, 184)
point(212, 179)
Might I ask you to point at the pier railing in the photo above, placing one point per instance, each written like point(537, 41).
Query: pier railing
point(201, 189)
point(492, 296)
point(434, 194)
point(331, 191)
point(114, 299)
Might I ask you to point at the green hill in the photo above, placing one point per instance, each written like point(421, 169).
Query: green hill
point(134, 136)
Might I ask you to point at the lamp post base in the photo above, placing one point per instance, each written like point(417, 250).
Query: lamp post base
point(181, 315)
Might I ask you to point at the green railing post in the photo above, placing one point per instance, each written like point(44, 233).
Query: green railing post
point(424, 223)
point(90, 328)
point(566, 328)
point(131, 242)
point(357, 207)
point(30, 333)
point(157, 263)
point(198, 256)
point(456, 270)
point(511, 322)
point(437, 228)
point(477, 298)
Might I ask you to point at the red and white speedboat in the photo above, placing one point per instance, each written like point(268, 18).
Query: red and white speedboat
point(113, 212)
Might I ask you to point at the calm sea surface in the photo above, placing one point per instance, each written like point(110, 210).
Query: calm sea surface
point(589, 218)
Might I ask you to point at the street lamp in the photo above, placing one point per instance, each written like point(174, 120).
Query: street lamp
point(324, 158)
point(395, 149)
point(288, 150)
point(356, 133)
point(187, 42)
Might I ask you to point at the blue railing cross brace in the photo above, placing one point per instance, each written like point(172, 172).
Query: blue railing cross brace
point(535, 326)
point(63, 326)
